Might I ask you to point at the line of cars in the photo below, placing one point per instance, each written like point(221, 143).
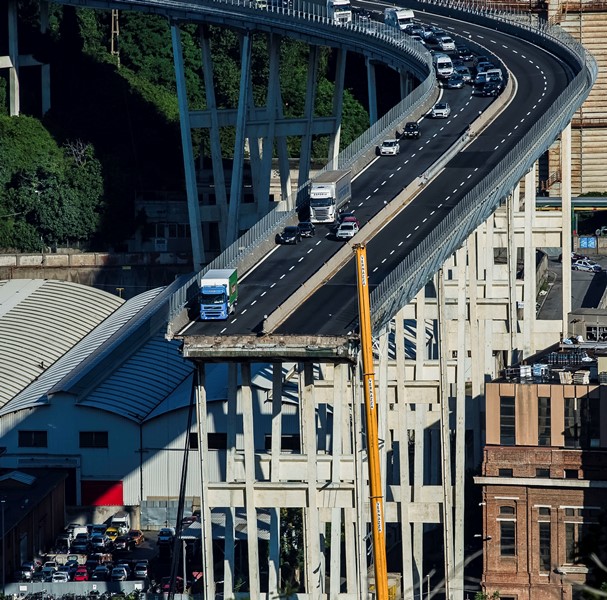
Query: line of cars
point(345, 227)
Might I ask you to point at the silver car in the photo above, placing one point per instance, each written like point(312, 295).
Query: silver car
point(441, 110)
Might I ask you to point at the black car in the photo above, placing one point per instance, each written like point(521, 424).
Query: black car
point(455, 82)
point(289, 235)
point(412, 130)
point(492, 88)
point(462, 51)
point(306, 229)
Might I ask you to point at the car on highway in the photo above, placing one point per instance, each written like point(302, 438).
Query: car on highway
point(346, 217)
point(491, 89)
point(445, 43)
point(441, 110)
point(464, 72)
point(412, 130)
point(289, 235)
point(306, 229)
point(454, 82)
point(462, 51)
point(346, 231)
point(389, 148)
point(586, 265)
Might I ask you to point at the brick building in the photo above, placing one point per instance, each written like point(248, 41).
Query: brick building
point(544, 473)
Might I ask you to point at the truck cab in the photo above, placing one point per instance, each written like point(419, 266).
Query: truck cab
point(218, 294)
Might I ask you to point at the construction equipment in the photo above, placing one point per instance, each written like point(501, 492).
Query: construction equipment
point(376, 501)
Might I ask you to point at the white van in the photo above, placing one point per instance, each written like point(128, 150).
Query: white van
point(121, 521)
point(401, 18)
point(442, 65)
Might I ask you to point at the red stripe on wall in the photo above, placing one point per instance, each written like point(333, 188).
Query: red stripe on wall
point(101, 493)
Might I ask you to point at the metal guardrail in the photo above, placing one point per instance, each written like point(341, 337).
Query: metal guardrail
point(377, 36)
point(419, 266)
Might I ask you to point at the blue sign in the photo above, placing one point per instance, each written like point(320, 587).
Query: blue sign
point(588, 241)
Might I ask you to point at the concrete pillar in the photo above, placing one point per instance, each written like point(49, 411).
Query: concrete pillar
point(248, 428)
point(338, 94)
point(511, 203)
point(274, 558)
point(233, 229)
point(530, 284)
point(371, 90)
point(13, 55)
point(219, 180)
point(188, 154)
point(45, 70)
point(205, 508)
point(566, 207)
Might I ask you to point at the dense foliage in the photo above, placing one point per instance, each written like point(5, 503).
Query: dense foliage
point(113, 129)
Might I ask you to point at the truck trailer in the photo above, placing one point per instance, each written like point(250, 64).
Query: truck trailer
point(218, 294)
point(338, 11)
point(328, 192)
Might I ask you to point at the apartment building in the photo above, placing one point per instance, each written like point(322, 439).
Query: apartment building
point(544, 472)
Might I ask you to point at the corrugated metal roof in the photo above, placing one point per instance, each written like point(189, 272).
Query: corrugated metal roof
point(40, 320)
point(73, 360)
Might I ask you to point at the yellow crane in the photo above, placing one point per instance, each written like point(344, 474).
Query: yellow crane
point(376, 499)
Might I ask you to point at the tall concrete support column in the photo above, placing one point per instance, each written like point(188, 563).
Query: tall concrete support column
point(371, 90)
point(338, 93)
point(306, 140)
point(403, 457)
point(239, 142)
point(382, 419)
point(188, 154)
point(274, 553)
point(459, 498)
point(13, 57)
point(205, 508)
point(530, 285)
point(313, 567)
point(511, 203)
point(406, 83)
point(215, 143)
point(566, 208)
point(445, 450)
point(45, 70)
point(248, 431)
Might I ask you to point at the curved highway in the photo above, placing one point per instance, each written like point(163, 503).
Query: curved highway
point(332, 310)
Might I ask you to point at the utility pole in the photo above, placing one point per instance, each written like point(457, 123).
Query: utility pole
point(114, 46)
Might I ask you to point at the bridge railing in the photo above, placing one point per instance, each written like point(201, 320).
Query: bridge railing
point(369, 36)
point(399, 288)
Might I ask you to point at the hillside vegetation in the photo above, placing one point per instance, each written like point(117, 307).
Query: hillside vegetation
point(112, 133)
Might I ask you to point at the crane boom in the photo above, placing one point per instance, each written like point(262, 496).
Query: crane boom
point(376, 500)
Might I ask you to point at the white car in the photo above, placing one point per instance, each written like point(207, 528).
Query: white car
point(346, 231)
point(445, 43)
point(441, 110)
point(389, 148)
point(586, 265)
point(60, 577)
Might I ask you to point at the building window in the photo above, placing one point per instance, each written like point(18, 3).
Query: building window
point(572, 424)
point(506, 510)
point(505, 473)
point(508, 538)
point(571, 474)
point(507, 421)
point(542, 473)
point(573, 533)
point(582, 423)
point(544, 546)
point(193, 440)
point(217, 441)
point(544, 511)
point(288, 443)
point(94, 439)
point(33, 439)
point(543, 421)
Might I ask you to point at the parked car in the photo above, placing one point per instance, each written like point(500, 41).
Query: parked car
point(81, 574)
point(101, 573)
point(412, 130)
point(123, 543)
point(389, 148)
point(99, 529)
point(574, 256)
point(48, 569)
point(141, 570)
point(136, 536)
point(100, 542)
point(112, 533)
point(441, 110)
point(289, 235)
point(167, 534)
point(346, 230)
point(26, 571)
point(60, 577)
point(306, 229)
point(119, 574)
point(586, 265)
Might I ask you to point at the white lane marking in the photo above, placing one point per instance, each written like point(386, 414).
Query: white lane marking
point(393, 251)
point(416, 228)
point(408, 236)
point(254, 302)
point(367, 197)
point(282, 276)
point(300, 259)
point(425, 220)
point(469, 176)
point(401, 244)
point(441, 204)
point(496, 148)
point(384, 182)
point(310, 250)
point(263, 294)
point(291, 268)
point(376, 190)
point(223, 330)
point(360, 204)
point(318, 242)
point(375, 269)
point(432, 212)
point(272, 285)
point(383, 261)
point(244, 311)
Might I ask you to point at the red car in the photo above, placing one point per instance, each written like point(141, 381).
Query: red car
point(81, 574)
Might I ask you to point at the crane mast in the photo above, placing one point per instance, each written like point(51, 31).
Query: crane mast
point(376, 501)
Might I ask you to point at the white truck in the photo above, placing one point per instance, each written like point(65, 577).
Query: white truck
point(328, 192)
point(401, 18)
point(338, 11)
